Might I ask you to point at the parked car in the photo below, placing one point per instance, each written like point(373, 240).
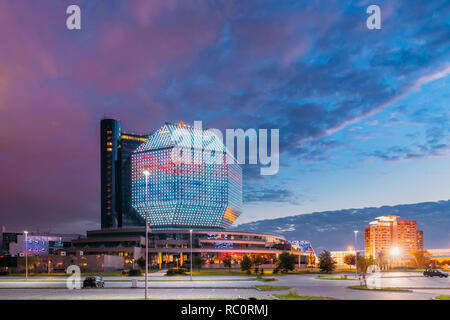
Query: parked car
point(93, 282)
point(435, 273)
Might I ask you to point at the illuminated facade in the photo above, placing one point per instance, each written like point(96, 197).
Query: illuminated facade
point(339, 257)
point(173, 247)
point(388, 236)
point(40, 244)
point(419, 240)
point(181, 178)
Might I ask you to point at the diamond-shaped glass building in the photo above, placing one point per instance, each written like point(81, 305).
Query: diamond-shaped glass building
point(184, 177)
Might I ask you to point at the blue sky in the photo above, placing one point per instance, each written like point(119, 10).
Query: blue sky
point(363, 114)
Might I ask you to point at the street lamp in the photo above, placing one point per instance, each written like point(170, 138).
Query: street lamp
point(190, 233)
point(395, 252)
point(356, 253)
point(146, 174)
point(26, 254)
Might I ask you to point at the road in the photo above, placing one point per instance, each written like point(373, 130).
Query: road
point(161, 287)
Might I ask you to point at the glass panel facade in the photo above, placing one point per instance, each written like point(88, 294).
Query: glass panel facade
point(198, 192)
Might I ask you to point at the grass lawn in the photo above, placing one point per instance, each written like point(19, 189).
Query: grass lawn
point(266, 279)
point(272, 288)
point(291, 297)
point(443, 297)
point(381, 289)
point(334, 278)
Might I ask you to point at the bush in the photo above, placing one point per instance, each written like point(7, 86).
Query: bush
point(275, 271)
point(135, 272)
point(293, 293)
point(176, 271)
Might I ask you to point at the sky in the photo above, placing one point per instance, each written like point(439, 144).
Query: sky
point(363, 114)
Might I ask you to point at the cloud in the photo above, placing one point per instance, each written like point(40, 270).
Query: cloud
point(310, 69)
point(266, 194)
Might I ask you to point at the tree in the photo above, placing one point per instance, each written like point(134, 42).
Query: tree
point(326, 262)
point(286, 262)
point(227, 263)
point(246, 264)
point(257, 261)
point(421, 258)
point(364, 263)
point(141, 262)
point(198, 261)
point(444, 262)
point(382, 260)
point(349, 259)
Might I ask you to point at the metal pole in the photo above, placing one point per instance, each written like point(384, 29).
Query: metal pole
point(146, 237)
point(26, 255)
point(190, 231)
point(356, 253)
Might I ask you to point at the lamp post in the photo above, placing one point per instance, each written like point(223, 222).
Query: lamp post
point(190, 234)
point(146, 174)
point(26, 254)
point(356, 253)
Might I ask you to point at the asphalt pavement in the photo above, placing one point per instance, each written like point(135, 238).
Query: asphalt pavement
point(161, 287)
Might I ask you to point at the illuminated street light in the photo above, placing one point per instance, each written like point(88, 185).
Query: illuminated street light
point(395, 252)
point(146, 174)
point(356, 253)
point(26, 254)
point(190, 232)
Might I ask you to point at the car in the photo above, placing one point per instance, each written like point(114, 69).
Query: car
point(435, 273)
point(93, 282)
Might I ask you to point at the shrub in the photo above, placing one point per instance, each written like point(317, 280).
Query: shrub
point(135, 272)
point(176, 271)
point(293, 293)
